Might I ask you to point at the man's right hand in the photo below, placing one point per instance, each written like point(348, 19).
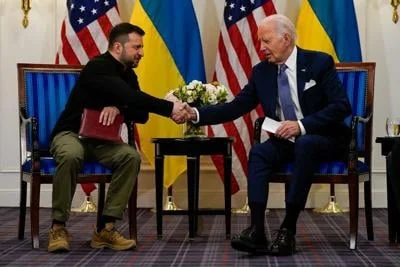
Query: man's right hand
point(107, 115)
point(182, 112)
point(179, 112)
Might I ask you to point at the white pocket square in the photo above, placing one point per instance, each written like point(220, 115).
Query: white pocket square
point(309, 84)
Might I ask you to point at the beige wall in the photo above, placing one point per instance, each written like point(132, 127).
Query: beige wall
point(379, 37)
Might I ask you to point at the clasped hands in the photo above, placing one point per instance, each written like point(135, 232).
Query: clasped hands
point(182, 112)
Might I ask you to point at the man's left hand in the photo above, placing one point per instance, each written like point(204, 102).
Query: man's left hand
point(288, 129)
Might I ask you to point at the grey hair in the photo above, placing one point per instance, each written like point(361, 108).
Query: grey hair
point(283, 25)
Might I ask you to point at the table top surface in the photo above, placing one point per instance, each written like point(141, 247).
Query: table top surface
point(196, 139)
point(382, 139)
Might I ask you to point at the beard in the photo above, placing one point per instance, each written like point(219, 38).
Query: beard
point(128, 62)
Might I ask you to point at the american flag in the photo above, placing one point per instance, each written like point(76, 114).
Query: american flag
point(238, 51)
point(85, 30)
point(84, 35)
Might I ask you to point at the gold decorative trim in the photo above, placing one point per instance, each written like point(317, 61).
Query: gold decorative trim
point(26, 7)
point(395, 4)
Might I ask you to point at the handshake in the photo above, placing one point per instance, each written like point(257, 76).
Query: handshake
point(182, 112)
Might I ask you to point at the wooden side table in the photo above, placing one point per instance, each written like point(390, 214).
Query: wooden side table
point(193, 148)
point(387, 144)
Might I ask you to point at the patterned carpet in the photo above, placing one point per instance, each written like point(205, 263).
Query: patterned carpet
point(321, 239)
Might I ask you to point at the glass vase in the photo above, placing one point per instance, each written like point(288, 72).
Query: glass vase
point(193, 130)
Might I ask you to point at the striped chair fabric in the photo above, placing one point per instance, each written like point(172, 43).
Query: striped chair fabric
point(46, 95)
point(355, 82)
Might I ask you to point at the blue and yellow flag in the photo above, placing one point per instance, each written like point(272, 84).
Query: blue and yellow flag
point(329, 26)
point(173, 56)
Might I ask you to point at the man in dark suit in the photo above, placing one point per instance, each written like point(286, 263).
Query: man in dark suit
point(301, 89)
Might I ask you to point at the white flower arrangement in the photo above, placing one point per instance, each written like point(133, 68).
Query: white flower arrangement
point(198, 94)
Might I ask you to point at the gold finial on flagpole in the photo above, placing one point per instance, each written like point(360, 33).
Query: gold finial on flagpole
point(25, 6)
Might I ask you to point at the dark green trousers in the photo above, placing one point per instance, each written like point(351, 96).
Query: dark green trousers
point(70, 152)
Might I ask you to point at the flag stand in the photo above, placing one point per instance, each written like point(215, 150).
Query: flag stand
point(332, 207)
point(245, 209)
point(169, 203)
point(88, 205)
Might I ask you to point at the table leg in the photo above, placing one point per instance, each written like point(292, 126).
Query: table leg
point(191, 184)
point(196, 198)
point(391, 208)
point(159, 174)
point(227, 191)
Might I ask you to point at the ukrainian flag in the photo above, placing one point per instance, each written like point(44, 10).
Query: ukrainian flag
point(329, 26)
point(173, 56)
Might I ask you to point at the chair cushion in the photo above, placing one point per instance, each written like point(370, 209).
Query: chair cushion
point(328, 168)
point(48, 166)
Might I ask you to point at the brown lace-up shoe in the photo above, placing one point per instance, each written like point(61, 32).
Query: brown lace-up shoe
point(109, 237)
point(59, 239)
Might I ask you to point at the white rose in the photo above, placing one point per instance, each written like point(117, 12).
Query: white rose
point(212, 99)
point(195, 82)
point(210, 88)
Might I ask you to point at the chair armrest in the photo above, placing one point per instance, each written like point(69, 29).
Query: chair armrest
point(257, 129)
point(24, 122)
point(34, 139)
point(130, 125)
point(35, 146)
point(353, 149)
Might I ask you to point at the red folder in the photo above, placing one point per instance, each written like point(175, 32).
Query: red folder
point(91, 128)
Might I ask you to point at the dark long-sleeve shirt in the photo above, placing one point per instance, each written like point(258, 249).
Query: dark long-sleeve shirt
point(105, 82)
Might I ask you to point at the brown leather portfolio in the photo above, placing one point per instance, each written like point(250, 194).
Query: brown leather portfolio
point(91, 128)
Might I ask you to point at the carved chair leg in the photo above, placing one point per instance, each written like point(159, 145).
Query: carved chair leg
point(132, 213)
point(368, 210)
point(22, 209)
point(35, 200)
point(100, 202)
point(353, 200)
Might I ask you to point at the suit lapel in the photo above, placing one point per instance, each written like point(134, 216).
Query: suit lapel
point(302, 75)
point(273, 92)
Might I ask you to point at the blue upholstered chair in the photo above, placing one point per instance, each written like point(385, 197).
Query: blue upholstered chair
point(358, 80)
point(43, 93)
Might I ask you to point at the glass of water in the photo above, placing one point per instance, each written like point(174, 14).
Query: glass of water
point(393, 126)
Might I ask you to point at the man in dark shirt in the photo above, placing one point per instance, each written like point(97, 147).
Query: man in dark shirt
point(109, 84)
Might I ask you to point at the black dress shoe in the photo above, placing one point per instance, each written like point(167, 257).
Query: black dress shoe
point(284, 243)
point(250, 241)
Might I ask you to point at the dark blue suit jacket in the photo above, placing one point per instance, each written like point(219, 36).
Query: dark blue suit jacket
point(324, 106)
